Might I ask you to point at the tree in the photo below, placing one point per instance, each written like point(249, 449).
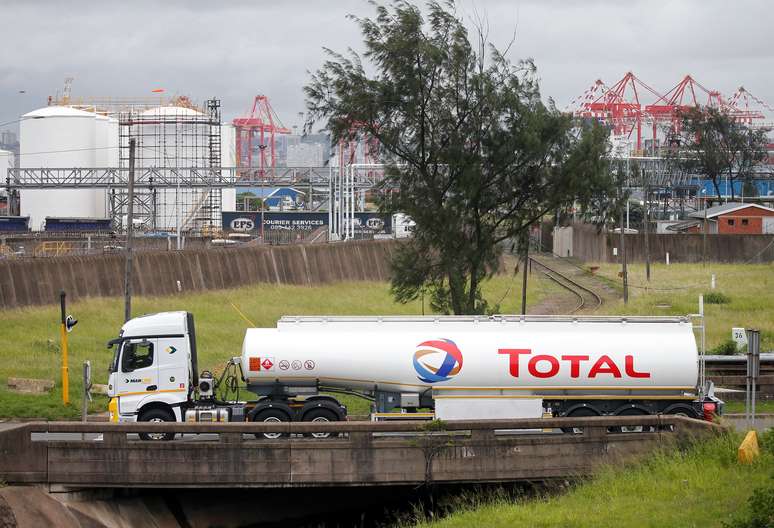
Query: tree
point(715, 145)
point(473, 154)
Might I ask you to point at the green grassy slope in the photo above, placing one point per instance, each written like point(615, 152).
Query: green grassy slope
point(675, 289)
point(703, 487)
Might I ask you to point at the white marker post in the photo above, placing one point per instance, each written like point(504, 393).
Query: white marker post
point(739, 335)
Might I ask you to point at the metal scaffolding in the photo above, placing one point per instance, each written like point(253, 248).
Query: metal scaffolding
point(173, 140)
point(327, 188)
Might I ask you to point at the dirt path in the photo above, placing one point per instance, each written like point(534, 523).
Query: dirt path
point(566, 302)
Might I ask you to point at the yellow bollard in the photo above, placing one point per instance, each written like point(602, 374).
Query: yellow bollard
point(65, 370)
point(748, 450)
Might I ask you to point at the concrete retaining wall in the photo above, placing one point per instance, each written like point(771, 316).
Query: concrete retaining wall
point(32, 281)
point(588, 245)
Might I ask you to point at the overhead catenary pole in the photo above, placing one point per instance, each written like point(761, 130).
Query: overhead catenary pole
point(129, 235)
point(623, 257)
point(704, 237)
point(646, 226)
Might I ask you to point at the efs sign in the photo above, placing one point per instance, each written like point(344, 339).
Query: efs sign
point(242, 224)
point(545, 366)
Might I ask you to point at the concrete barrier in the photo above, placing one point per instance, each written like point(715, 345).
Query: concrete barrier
point(31, 281)
point(356, 454)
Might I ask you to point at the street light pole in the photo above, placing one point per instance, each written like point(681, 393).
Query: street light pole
point(129, 235)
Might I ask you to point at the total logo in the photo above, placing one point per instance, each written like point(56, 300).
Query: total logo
point(437, 360)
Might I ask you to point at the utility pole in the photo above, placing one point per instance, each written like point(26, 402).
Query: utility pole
point(524, 272)
point(263, 207)
point(129, 234)
point(647, 232)
point(704, 237)
point(623, 255)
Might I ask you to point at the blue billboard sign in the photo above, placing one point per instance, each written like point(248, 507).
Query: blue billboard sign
point(366, 223)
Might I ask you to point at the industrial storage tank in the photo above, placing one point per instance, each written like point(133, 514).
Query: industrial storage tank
point(228, 159)
point(59, 137)
point(176, 137)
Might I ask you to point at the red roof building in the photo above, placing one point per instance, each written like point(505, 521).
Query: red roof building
point(731, 219)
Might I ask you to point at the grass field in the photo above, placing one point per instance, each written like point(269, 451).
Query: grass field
point(703, 487)
point(675, 289)
point(761, 407)
point(29, 338)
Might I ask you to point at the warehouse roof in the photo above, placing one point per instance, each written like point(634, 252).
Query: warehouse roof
point(727, 208)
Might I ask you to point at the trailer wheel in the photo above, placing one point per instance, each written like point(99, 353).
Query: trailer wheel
point(580, 412)
point(632, 411)
point(320, 414)
point(271, 416)
point(157, 416)
point(679, 410)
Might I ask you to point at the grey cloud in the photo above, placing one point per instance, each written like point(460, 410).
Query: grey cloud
point(236, 49)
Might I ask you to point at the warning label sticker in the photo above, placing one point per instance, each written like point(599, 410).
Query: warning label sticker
point(267, 364)
point(255, 364)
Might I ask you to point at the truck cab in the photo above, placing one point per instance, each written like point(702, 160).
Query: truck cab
point(152, 374)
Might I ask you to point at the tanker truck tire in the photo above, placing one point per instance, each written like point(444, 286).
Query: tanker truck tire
point(632, 411)
point(271, 416)
point(679, 410)
point(157, 416)
point(581, 412)
point(320, 414)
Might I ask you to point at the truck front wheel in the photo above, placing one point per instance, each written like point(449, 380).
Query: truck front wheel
point(157, 416)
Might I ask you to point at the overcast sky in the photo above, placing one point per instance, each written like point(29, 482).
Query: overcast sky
point(234, 50)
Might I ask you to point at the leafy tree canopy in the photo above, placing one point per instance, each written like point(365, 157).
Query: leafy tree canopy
point(474, 156)
point(712, 143)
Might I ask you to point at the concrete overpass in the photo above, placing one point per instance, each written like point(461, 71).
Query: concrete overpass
point(106, 455)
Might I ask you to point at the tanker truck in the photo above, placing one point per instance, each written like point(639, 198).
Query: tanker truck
point(445, 367)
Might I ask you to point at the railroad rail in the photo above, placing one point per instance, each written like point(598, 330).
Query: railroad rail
point(587, 298)
point(101, 454)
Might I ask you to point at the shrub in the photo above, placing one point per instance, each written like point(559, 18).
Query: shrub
point(760, 512)
point(766, 441)
point(716, 298)
point(726, 348)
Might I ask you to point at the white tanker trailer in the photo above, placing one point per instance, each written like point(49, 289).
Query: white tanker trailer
point(447, 367)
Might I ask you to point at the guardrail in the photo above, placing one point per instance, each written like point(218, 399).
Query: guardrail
point(355, 453)
point(539, 424)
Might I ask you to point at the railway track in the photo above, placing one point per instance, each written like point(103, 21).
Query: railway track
point(587, 299)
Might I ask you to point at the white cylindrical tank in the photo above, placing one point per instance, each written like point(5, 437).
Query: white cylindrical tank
point(58, 137)
point(103, 144)
point(228, 159)
point(173, 136)
point(535, 357)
